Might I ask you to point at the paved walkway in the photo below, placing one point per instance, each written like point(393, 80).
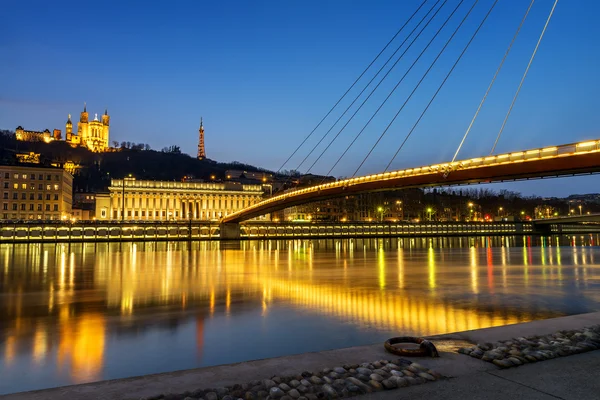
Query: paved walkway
point(574, 377)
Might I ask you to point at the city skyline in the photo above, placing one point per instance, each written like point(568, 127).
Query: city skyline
point(251, 85)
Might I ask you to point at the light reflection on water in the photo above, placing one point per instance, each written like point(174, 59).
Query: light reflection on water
point(84, 312)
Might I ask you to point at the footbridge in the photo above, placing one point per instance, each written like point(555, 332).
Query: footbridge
point(565, 160)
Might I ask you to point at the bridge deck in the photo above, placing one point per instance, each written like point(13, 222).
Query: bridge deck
point(571, 159)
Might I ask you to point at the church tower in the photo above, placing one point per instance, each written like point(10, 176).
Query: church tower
point(201, 151)
point(69, 129)
point(105, 128)
point(82, 126)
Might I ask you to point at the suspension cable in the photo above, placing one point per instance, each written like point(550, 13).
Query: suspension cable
point(376, 87)
point(493, 81)
point(368, 84)
point(418, 85)
point(351, 86)
point(443, 82)
point(524, 75)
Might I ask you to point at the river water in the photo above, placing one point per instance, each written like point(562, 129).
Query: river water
point(87, 312)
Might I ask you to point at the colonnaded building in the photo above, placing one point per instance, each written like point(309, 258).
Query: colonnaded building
point(91, 134)
point(141, 200)
point(35, 193)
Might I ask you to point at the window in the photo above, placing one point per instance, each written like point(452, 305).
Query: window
point(16, 176)
point(23, 196)
point(22, 206)
point(5, 206)
point(47, 207)
point(31, 207)
point(55, 187)
point(41, 186)
point(56, 178)
point(31, 196)
point(40, 177)
point(5, 195)
point(6, 175)
point(24, 176)
point(14, 206)
point(55, 197)
point(4, 216)
point(15, 196)
point(5, 185)
point(56, 207)
point(48, 187)
point(47, 196)
point(40, 197)
point(15, 185)
point(143, 213)
point(23, 186)
point(32, 177)
point(48, 177)
point(136, 213)
point(39, 207)
point(103, 213)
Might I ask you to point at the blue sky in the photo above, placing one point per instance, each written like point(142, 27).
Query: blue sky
point(263, 73)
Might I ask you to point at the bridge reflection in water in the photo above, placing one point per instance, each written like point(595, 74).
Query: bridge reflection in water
point(66, 308)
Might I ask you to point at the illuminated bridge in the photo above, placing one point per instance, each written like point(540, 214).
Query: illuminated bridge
point(565, 160)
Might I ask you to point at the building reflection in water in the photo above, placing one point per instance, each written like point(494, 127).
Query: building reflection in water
point(63, 303)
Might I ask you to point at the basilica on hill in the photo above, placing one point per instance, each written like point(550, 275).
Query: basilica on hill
point(91, 134)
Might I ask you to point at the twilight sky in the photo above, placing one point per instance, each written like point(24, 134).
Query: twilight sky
point(263, 73)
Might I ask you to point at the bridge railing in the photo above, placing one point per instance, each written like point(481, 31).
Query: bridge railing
point(506, 158)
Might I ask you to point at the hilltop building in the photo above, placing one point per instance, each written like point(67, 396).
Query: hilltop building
point(37, 136)
point(91, 134)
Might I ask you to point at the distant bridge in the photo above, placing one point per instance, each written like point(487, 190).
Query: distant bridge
point(565, 160)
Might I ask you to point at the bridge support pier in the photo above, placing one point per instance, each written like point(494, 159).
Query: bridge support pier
point(229, 231)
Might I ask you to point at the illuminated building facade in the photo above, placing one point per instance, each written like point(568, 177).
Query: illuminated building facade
point(35, 193)
point(37, 136)
point(92, 134)
point(173, 201)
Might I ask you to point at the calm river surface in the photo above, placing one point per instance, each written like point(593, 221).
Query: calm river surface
point(86, 312)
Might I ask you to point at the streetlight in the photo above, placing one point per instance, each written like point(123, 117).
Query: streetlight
point(429, 210)
point(470, 210)
point(580, 209)
point(500, 211)
point(380, 209)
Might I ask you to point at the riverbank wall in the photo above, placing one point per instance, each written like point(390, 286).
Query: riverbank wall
point(187, 231)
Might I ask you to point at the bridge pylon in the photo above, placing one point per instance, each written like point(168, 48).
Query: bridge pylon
point(229, 231)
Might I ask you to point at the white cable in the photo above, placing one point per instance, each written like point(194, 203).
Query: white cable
point(524, 75)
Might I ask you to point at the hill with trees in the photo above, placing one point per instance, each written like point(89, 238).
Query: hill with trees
point(130, 158)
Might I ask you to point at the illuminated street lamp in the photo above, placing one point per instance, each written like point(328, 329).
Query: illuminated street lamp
point(580, 209)
point(500, 211)
point(380, 210)
point(429, 210)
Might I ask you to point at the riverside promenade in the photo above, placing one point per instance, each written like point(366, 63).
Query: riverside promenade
point(572, 377)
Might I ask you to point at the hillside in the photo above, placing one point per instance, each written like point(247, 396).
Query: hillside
point(98, 168)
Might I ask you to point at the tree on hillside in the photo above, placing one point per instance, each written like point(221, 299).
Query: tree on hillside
point(172, 149)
